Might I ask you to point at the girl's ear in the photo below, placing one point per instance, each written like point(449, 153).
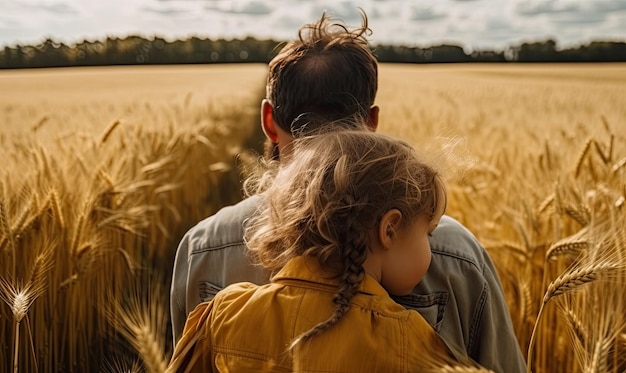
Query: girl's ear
point(389, 224)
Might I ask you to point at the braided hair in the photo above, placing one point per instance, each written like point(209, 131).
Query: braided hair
point(326, 199)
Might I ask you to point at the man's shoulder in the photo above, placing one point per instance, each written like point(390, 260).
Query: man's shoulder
point(225, 227)
point(452, 240)
point(231, 215)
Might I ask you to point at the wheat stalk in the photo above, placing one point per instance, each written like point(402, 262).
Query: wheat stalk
point(618, 165)
point(526, 297)
point(77, 232)
point(548, 155)
point(5, 227)
point(582, 216)
point(151, 352)
point(122, 366)
point(107, 178)
point(574, 279)
point(568, 281)
point(606, 158)
point(39, 123)
point(575, 324)
point(581, 157)
point(599, 361)
point(108, 131)
point(20, 297)
point(82, 258)
point(26, 222)
point(549, 200)
point(20, 303)
point(567, 246)
point(56, 208)
point(42, 158)
point(143, 326)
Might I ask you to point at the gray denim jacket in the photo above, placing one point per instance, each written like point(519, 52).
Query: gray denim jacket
point(460, 296)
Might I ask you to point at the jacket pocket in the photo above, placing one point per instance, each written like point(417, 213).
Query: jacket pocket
point(207, 291)
point(239, 362)
point(431, 306)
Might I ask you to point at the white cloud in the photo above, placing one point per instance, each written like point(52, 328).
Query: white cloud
point(533, 8)
point(472, 23)
point(426, 13)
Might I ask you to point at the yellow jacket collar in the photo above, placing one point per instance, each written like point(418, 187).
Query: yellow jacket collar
point(308, 272)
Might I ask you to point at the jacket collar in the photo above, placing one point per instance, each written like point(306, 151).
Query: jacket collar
point(308, 272)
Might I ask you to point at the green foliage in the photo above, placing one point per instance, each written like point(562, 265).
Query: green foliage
point(136, 50)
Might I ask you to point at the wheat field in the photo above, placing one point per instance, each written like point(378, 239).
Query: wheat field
point(105, 168)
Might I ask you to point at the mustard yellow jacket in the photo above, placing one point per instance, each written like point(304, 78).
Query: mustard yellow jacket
point(247, 328)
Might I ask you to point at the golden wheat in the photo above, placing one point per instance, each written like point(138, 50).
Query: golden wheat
point(143, 325)
point(21, 295)
point(567, 246)
point(109, 130)
point(461, 369)
point(572, 280)
point(576, 325)
point(116, 174)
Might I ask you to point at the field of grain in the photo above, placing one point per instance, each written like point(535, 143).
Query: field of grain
point(105, 168)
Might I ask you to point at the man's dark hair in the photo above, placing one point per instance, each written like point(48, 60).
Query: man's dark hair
point(328, 73)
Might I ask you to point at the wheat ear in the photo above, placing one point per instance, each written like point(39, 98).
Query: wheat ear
point(142, 325)
point(599, 363)
point(618, 165)
point(122, 366)
point(582, 216)
point(576, 278)
point(56, 208)
point(566, 247)
point(549, 200)
point(39, 123)
point(575, 324)
point(109, 131)
point(19, 298)
point(570, 280)
point(581, 157)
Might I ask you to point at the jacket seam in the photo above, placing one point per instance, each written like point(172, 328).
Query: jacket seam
point(215, 248)
point(293, 332)
point(405, 348)
point(456, 256)
point(208, 248)
point(476, 320)
point(242, 353)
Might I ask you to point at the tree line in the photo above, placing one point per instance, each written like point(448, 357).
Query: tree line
point(137, 50)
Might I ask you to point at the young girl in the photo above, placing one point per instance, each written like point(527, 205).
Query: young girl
point(345, 223)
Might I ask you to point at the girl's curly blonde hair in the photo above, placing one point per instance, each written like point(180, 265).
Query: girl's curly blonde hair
point(326, 199)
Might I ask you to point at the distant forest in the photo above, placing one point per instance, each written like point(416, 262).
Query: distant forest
point(137, 50)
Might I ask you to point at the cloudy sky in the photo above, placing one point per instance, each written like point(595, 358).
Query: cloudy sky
point(473, 24)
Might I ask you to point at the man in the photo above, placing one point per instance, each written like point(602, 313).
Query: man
point(330, 73)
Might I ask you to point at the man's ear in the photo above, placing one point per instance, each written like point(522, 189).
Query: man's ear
point(267, 121)
point(373, 120)
point(387, 229)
